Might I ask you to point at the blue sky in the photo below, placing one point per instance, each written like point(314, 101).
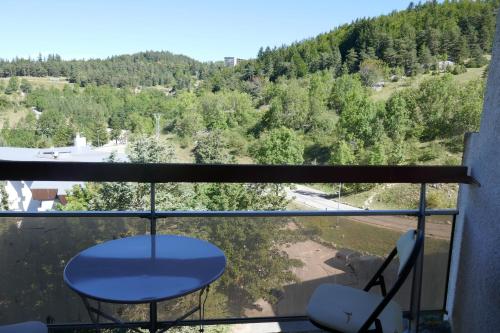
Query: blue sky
point(202, 29)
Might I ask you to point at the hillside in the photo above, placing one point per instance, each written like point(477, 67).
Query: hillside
point(406, 41)
point(148, 68)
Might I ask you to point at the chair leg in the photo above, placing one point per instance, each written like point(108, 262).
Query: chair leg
point(377, 329)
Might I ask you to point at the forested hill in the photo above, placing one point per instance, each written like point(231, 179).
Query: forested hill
point(405, 42)
point(144, 68)
point(409, 40)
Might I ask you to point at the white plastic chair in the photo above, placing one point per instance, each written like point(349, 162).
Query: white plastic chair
point(337, 308)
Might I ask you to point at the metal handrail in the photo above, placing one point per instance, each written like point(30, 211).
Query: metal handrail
point(230, 173)
point(263, 213)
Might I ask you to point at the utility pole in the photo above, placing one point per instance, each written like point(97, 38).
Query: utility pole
point(157, 118)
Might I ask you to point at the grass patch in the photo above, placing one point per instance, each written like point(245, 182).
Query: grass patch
point(183, 154)
point(414, 82)
point(12, 115)
point(361, 237)
point(471, 74)
point(42, 82)
point(404, 196)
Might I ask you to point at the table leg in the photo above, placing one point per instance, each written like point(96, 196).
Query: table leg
point(201, 305)
point(153, 317)
point(93, 316)
point(200, 309)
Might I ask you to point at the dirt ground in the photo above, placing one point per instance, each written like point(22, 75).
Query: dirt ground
point(320, 263)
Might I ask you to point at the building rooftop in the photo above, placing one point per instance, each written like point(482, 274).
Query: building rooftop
point(67, 154)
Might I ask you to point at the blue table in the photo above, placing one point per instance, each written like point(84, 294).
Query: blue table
point(144, 269)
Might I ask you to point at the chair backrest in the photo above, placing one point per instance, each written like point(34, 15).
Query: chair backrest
point(405, 245)
point(408, 249)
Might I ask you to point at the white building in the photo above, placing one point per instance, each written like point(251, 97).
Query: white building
point(230, 61)
point(36, 196)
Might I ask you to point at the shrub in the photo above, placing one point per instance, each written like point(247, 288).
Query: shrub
point(458, 69)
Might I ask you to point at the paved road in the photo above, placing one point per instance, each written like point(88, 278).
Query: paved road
point(319, 200)
point(316, 199)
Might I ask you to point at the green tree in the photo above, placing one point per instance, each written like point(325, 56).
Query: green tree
point(97, 133)
point(346, 90)
point(351, 60)
point(371, 71)
point(4, 197)
point(63, 136)
point(12, 86)
point(289, 107)
point(279, 146)
point(299, 67)
point(22, 135)
point(438, 102)
point(357, 111)
point(145, 149)
point(425, 57)
point(257, 269)
point(188, 124)
point(477, 58)
point(212, 148)
point(81, 198)
point(467, 116)
point(378, 153)
point(342, 154)
point(25, 86)
point(213, 112)
point(50, 122)
point(140, 124)
point(397, 120)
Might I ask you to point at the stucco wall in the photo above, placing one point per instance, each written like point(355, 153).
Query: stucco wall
point(474, 294)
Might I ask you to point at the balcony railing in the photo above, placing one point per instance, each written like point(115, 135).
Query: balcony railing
point(189, 173)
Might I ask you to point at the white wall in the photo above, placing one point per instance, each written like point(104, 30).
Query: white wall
point(46, 205)
point(16, 191)
point(474, 290)
point(21, 199)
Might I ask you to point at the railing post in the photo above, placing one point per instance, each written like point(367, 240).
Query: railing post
point(153, 319)
point(152, 217)
point(450, 252)
point(416, 287)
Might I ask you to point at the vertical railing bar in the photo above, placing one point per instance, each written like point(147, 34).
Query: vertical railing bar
point(153, 317)
point(450, 251)
point(152, 306)
point(152, 217)
point(416, 287)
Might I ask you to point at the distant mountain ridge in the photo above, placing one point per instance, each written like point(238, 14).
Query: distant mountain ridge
point(144, 68)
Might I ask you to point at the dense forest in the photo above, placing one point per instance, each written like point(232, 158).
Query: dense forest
point(140, 69)
point(407, 41)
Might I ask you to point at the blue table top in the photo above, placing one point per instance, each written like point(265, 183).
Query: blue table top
point(143, 269)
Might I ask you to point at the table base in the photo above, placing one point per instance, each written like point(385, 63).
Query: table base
point(95, 314)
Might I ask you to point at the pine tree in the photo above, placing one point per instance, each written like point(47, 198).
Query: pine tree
point(477, 57)
point(299, 67)
point(425, 58)
point(352, 60)
point(12, 86)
